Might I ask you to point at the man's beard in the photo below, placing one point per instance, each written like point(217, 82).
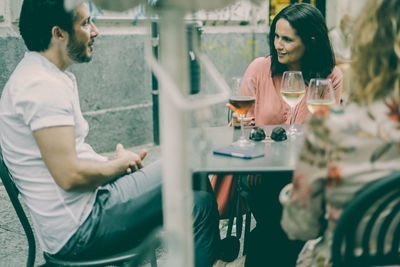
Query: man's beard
point(77, 51)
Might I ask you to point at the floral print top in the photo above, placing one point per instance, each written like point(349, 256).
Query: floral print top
point(344, 150)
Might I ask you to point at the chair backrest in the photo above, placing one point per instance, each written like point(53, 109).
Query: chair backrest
point(368, 231)
point(13, 193)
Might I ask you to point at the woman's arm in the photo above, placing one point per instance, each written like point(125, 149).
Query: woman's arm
point(303, 199)
point(248, 87)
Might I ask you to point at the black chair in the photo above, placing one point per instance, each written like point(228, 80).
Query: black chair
point(133, 256)
point(368, 231)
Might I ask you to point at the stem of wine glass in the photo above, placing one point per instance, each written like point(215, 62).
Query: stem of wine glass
point(242, 136)
point(291, 119)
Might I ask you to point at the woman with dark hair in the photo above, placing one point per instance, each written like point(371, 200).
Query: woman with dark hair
point(356, 146)
point(298, 41)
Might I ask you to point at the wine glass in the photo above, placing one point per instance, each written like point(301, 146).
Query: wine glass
point(292, 91)
point(241, 105)
point(236, 81)
point(320, 94)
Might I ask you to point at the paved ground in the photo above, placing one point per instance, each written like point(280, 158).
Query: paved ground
point(13, 244)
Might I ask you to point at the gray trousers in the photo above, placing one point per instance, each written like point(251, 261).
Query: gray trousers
point(129, 208)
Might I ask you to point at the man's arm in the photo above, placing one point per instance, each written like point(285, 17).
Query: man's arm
point(57, 146)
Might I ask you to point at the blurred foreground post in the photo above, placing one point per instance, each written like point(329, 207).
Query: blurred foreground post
point(177, 182)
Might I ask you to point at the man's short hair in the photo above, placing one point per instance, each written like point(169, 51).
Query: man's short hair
point(37, 19)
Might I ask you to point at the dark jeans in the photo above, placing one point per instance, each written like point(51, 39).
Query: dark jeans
point(268, 243)
point(128, 209)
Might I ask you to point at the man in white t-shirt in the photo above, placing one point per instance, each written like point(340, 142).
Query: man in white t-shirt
point(81, 203)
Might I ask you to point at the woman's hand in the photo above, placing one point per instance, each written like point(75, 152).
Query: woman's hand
point(248, 121)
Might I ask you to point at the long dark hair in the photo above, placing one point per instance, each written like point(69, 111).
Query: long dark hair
point(318, 60)
point(37, 19)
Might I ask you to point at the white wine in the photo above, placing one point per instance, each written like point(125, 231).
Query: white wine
point(319, 103)
point(293, 97)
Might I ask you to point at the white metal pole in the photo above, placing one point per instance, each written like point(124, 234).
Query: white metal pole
point(177, 183)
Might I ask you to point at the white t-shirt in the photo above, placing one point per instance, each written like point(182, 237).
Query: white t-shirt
point(39, 95)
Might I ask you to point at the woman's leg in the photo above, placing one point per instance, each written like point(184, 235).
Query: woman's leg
point(268, 243)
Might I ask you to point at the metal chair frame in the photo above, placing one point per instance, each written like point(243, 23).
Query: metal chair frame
point(133, 256)
point(236, 208)
point(379, 203)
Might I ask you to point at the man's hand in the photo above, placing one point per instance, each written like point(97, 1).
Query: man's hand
point(134, 160)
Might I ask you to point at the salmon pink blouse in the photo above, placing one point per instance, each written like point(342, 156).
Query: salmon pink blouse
point(270, 108)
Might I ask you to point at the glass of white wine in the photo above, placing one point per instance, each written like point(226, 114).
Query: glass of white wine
point(320, 94)
point(292, 91)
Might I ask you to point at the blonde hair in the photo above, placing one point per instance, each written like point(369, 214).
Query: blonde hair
point(376, 51)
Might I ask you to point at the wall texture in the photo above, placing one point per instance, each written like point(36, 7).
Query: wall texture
point(115, 87)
